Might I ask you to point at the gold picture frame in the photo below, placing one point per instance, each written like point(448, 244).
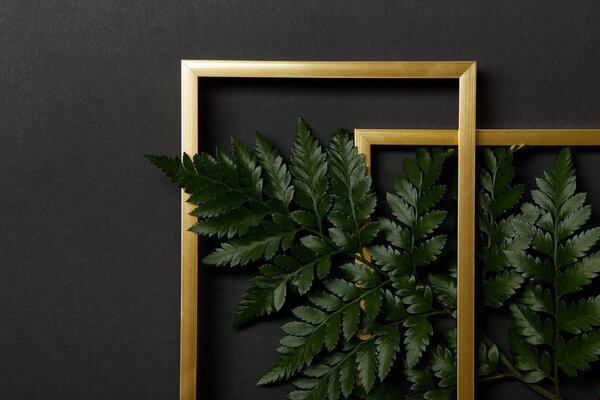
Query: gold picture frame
point(365, 138)
point(465, 72)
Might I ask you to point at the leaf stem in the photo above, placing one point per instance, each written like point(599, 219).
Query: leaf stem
point(350, 254)
point(556, 299)
point(518, 375)
point(496, 377)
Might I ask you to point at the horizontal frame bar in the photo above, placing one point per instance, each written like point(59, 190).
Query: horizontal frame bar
point(330, 69)
point(485, 137)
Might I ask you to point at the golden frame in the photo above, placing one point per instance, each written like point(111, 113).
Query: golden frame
point(465, 72)
point(365, 138)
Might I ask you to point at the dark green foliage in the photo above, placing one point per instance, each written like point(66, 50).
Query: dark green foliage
point(309, 229)
point(557, 264)
point(496, 196)
point(410, 304)
point(543, 254)
point(371, 286)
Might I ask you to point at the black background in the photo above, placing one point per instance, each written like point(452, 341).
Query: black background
point(89, 231)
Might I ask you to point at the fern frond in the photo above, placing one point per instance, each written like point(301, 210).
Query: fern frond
point(350, 186)
point(309, 167)
point(340, 303)
point(269, 289)
point(557, 264)
point(310, 220)
point(277, 176)
point(499, 232)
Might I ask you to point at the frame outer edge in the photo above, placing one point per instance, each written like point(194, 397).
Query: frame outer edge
point(466, 236)
point(189, 244)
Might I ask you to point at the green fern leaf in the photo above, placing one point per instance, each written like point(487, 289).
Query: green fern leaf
point(333, 386)
point(538, 299)
point(405, 189)
point(248, 169)
point(444, 287)
point(499, 288)
point(250, 248)
point(416, 296)
point(430, 198)
point(388, 345)
point(487, 357)
point(531, 267)
point(372, 304)
point(277, 175)
point(580, 316)
point(393, 307)
point(332, 332)
point(220, 206)
point(350, 318)
point(350, 186)
point(256, 302)
point(507, 200)
point(449, 336)
point(438, 394)
point(417, 338)
point(366, 358)
point(336, 372)
point(413, 172)
point(578, 275)
point(401, 209)
point(227, 169)
point(573, 221)
point(443, 364)
point(427, 251)
point(298, 351)
point(504, 170)
point(528, 360)
point(309, 167)
point(344, 289)
point(390, 260)
point(496, 196)
point(431, 171)
point(577, 353)
point(395, 234)
point(236, 222)
point(421, 379)
point(316, 244)
point(427, 223)
point(531, 326)
point(326, 301)
point(347, 376)
point(577, 247)
point(358, 274)
point(169, 165)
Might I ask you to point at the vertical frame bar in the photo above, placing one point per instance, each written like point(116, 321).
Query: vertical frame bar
point(465, 367)
point(189, 243)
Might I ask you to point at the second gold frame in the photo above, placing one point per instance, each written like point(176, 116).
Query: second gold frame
point(365, 138)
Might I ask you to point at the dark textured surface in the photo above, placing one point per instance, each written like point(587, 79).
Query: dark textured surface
point(89, 250)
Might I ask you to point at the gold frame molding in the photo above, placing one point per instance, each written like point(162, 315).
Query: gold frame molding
point(465, 72)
